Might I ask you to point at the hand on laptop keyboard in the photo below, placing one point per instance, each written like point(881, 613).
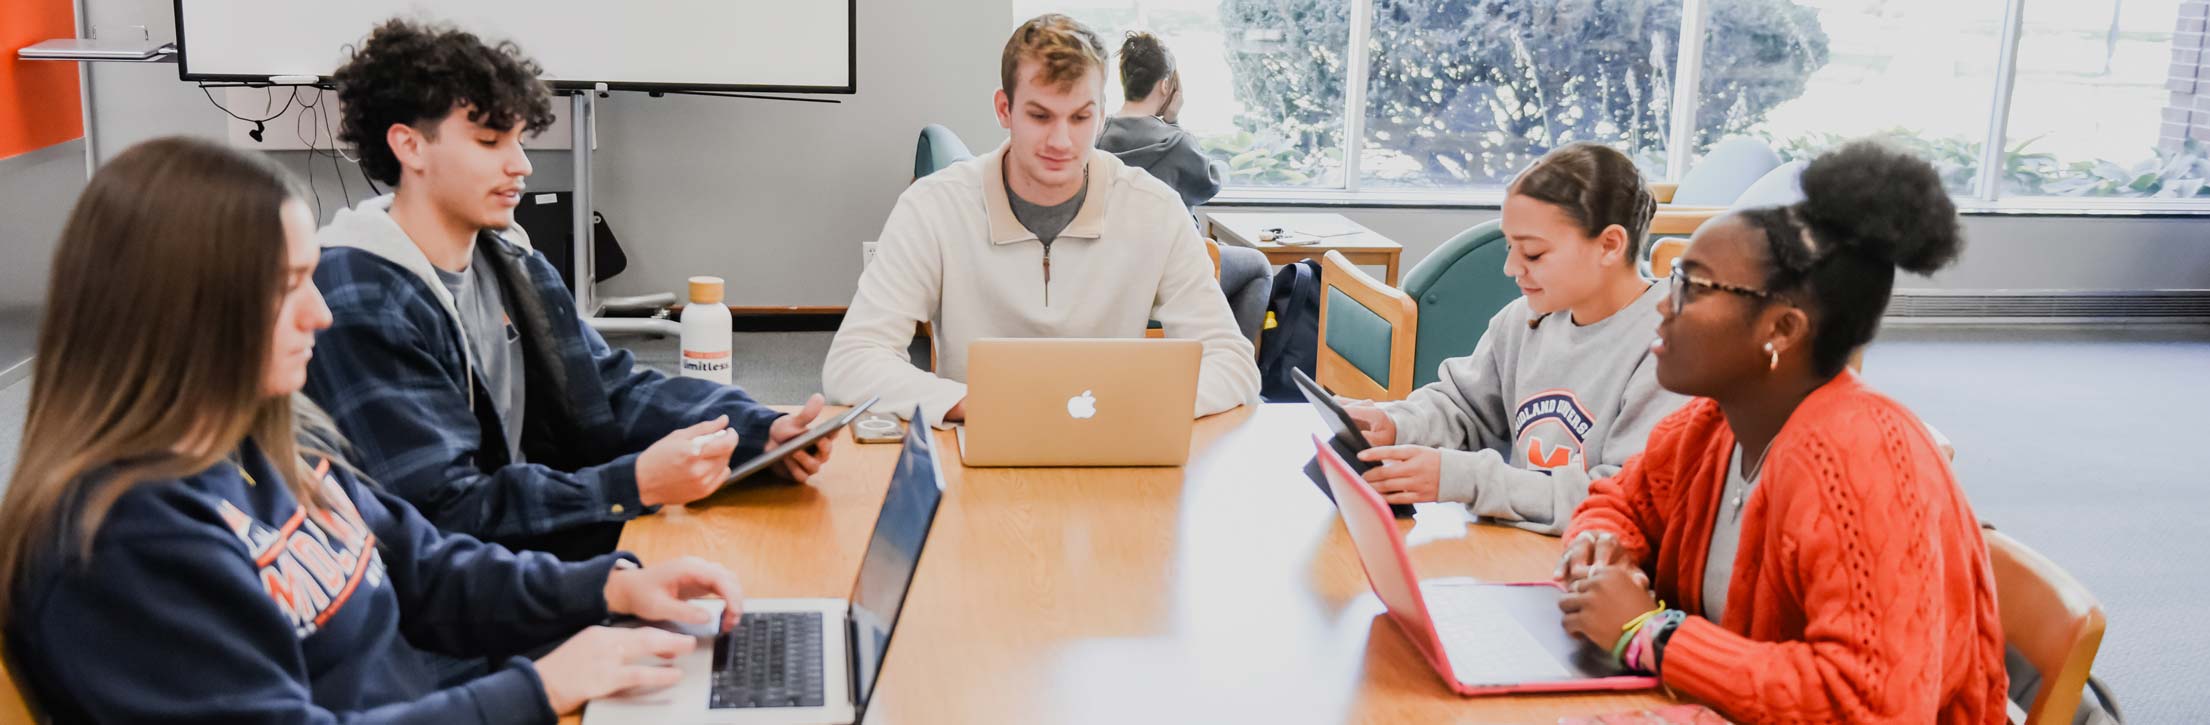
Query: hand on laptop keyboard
point(602, 661)
point(660, 592)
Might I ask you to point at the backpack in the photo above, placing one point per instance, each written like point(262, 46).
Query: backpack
point(1292, 337)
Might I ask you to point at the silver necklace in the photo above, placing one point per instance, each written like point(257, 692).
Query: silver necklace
point(1749, 481)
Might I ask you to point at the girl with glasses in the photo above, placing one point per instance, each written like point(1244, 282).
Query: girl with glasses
point(1791, 546)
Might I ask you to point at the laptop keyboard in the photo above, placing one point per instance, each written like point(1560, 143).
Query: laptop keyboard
point(771, 659)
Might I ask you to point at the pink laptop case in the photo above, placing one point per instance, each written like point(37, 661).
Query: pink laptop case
point(1389, 569)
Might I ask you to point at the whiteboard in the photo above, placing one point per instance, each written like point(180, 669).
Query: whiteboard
point(797, 46)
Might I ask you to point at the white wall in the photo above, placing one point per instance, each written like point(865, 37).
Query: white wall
point(778, 196)
point(37, 190)
point(775, 196)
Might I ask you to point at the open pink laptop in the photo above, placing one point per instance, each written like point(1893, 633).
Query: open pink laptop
point(1483, 638)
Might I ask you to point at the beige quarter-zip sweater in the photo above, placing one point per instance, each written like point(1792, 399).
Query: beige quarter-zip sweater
point(952, 253)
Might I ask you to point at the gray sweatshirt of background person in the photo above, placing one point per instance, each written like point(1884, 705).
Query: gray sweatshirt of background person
point(1535, 414)
point(1165, 150)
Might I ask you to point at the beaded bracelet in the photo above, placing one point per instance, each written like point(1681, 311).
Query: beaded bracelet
point(1627, 632)
point(1635, 647)
point(1662, 632)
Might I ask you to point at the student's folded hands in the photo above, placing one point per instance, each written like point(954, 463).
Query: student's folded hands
point(1589, 549)
point(1598, 605)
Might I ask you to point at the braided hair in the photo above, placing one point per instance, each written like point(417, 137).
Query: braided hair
point(1596, 185)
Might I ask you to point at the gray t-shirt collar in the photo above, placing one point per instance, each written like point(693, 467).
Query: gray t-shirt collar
point(1046, 221)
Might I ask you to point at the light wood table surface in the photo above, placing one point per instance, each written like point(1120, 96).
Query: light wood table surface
point(1335, 233)
point(1223, 591)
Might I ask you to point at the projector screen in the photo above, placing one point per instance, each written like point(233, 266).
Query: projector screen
point(791, 46)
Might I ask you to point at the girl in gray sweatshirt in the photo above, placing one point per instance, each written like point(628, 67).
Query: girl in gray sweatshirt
point(1561, 390)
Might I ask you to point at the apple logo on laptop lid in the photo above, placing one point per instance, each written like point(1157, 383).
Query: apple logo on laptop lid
point(1082, 407)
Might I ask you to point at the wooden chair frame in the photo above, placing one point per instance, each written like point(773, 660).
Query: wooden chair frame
point(2052, 620)
point(1396, 308)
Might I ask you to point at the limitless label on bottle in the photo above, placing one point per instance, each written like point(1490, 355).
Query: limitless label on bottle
point(707, 365)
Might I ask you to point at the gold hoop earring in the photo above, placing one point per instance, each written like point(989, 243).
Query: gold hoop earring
point(1774, 362)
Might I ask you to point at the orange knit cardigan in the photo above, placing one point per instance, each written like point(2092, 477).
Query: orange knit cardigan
point(1862, 590)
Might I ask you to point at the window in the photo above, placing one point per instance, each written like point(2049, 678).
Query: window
point(2145, 134)
point(2102, 102)
point(1263, 79)
point(1467, 93)
point(1287, 61)
point(1806, 75)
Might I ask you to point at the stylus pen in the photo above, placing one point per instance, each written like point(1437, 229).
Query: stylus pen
point(698, 445)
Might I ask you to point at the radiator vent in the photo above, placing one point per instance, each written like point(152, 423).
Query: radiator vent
point(2052, 306)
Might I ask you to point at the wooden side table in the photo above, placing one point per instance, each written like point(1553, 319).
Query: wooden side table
point(1326, 232)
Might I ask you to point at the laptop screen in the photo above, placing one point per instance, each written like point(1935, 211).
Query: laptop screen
point(908, 509)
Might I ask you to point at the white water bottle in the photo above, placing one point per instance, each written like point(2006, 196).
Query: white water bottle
point(706, 332)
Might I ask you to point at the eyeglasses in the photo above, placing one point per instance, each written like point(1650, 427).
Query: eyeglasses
point(1682, 280)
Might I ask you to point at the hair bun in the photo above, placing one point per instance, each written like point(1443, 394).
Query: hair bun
point(1884, 203)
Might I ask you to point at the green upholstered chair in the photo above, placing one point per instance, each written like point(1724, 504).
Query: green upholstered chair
point(1381, 343)
point(938, 148)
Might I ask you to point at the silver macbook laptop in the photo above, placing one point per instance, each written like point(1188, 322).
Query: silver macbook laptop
point(1079, 402)
point(809, 661)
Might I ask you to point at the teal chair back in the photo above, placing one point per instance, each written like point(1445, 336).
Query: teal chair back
point(938, 148)
point(1458, 288)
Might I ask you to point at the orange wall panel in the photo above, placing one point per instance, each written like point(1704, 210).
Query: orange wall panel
point(39, 106)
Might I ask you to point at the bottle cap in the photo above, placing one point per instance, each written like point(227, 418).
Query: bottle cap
point(706, 290)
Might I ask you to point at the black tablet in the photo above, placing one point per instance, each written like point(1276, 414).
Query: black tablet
point(1346, 441)
point(817, 432)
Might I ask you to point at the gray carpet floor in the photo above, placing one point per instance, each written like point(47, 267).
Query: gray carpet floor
point(2076, 441)
point(2068, 438)
point(777, 368)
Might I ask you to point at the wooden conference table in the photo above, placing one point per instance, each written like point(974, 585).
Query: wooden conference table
point(1223, 591)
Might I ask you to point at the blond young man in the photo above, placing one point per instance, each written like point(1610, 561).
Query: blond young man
point(1046, 236)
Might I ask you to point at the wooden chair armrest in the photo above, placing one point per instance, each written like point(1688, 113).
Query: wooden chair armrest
point(1682, 220)
point(1662, 254)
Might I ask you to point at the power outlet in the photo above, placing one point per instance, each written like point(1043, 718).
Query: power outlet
point(866, 254)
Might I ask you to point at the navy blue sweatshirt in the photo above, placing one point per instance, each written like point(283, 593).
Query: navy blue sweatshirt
point(215, 599)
